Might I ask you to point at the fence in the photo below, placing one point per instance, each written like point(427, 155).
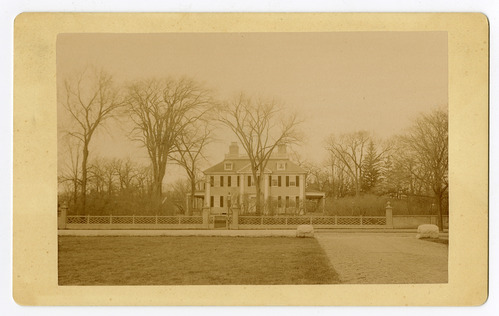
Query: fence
point(271, 222)
point(234, 221)
point(134, 222)
point(243, 222)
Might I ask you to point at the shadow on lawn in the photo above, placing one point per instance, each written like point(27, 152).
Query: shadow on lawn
point(192, 261)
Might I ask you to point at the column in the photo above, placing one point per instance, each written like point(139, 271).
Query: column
point(241, 188)
point(302, 189)
point(207, 192)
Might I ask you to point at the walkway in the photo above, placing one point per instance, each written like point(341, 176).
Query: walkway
point(158, 232)
point(385, 258)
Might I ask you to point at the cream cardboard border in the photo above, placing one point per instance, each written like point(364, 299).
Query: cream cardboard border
point(35, 154)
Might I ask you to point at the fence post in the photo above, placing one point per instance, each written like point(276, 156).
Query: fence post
point(335, 220)
point(286, 223)
point(389, 215)
point(133, 219)
point(64, 213)
point(111, 219)
point(88, 219)
point(311, 220)
point(261, 220)
point(156, 219)
point(361, 220)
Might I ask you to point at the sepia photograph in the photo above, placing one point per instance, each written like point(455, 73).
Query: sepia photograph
point(252, 158)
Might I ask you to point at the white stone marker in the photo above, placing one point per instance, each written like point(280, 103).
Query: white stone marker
point(305, 231)
point(427, 231)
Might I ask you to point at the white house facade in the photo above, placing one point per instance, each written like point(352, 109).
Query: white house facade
point(231, 182)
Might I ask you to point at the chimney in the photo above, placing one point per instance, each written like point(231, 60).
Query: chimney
point(234, 149)
point(281, 149)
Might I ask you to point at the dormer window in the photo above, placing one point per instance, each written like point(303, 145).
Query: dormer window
point(228, 166)
point(281, 166)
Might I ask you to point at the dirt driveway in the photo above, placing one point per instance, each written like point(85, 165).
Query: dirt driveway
point(385, 258)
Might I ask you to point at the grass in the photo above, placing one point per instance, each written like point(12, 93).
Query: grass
point(192, 261)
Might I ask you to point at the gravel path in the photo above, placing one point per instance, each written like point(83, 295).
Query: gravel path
point(385, 258)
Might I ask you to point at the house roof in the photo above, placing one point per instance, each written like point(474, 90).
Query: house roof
point(243, 166)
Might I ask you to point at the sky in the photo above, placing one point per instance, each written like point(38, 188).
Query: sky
point(337, 82)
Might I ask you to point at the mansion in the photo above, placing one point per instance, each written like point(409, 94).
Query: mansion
point(231, 183)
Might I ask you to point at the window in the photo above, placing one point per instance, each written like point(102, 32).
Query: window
point(279, 181)
point(221, 201)
point(279, 201)
point(228, 166)
point(297, 180)
point(212, 201)
point(249, 181)
point(229, 181)
point(287, 181)
point(237, 180)
point(274, 181)
point(221, 181)
point(292, 182)
point(287, 201)
point(281, 166)
point(212, 181)
point(270, 180)
point(297, 201)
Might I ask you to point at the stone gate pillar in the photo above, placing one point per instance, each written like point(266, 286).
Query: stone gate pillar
point(389, 215)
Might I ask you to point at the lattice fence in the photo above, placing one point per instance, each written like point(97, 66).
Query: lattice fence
point(191, 220)
point(298, 220)
point(98, 219)
point(329, 220)
point(250, 220)
point(373, 220)
point(348, 220)
point(76, 220)
point(122, 219)
point(255, 221)
point(274, 221)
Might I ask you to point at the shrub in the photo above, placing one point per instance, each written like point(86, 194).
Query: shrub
point(373, 205)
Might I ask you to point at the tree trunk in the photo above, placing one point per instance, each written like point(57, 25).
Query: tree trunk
point(191, 198)
point(75, 196)
point(439, 212)
point(258, 197)
point(84, 178)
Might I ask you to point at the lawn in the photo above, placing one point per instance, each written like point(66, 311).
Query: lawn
point(192, 261)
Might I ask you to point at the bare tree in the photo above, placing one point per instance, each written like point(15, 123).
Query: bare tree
point(427, 142)
point(90, 98)
point(161, 111)
point(260, 126)
point(126, 172)
point(71, 172)
point(351, 150)
point(190, 152)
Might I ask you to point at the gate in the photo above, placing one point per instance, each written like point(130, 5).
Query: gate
point(221, 221)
